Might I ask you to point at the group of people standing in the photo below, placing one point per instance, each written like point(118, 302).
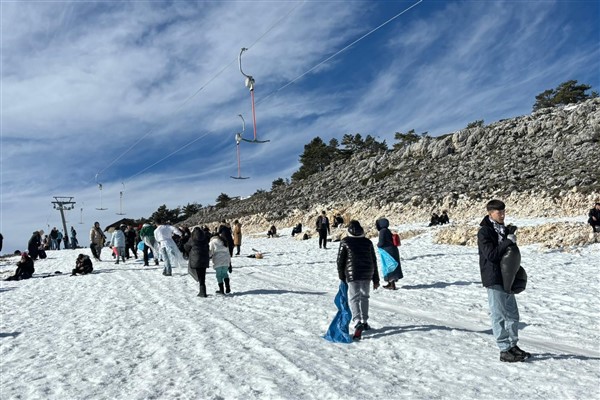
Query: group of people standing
point(357, 266)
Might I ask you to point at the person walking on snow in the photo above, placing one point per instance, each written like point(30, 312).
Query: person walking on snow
point(97, 239)
point(219, 252)
point(357, 265)
point(147, 236)
point(118, 242)
point(237, 236)
point(493, 240)
point(322, 226)
point(168, 249)
point(390, 256)
point(198, 258)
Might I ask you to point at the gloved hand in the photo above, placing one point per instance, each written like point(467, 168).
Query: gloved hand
point(511, 229)
point(375, 285)
point(230, 269)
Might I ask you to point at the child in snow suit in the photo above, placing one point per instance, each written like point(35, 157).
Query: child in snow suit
point(24, 270)
point(118, 242)
point(83, 265)
point(219, 252)
point(357, 265)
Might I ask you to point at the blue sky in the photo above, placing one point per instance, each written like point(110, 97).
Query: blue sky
point(143, 97)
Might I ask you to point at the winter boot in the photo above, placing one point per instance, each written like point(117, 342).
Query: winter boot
point(202, 291)
point(227, 287)
point(390, 286)
point(508, 356)
point(518, 352)
point(220, 291)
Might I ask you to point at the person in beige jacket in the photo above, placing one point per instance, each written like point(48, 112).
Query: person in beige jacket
point(97, 239)
point(237, 236)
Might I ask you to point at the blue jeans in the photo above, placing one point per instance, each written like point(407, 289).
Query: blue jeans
point(358, 300)
point(505, 317)
point(168, 256)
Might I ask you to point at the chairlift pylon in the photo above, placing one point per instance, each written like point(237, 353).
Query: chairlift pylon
point(249, 82)
point(100, 188)
point(121, 200)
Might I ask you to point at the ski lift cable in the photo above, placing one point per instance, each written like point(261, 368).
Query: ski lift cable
point(340, 51)
point(196, 93)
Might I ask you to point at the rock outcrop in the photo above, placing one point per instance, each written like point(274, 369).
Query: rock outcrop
point(542, 165)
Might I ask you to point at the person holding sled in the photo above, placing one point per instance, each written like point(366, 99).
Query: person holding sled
point(147, 236)
point(219, 252)
point(357, 266)
point(594, 218)
point(198, 257)
point(322, 226)
point(493, 241)
point(24, 270)
point(390, 256)
point(83, 265)
point(168, 249)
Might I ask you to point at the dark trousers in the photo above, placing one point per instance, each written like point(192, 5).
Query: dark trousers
point(323, 238)
point(133, 250)
point(94, 251)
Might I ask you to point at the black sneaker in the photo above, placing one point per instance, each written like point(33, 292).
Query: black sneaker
point(366, 327)
point(518, 352)
point(508, 356)
point(358, 331)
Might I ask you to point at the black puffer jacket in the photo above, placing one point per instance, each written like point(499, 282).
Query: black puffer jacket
point(356, 260)
point(490, 253)
point(197, 248)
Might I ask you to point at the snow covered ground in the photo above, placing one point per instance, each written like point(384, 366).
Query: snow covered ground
point(127, 332)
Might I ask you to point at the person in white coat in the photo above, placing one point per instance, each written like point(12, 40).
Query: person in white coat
point(219, 252)
point(163, 234)
point(117, 242)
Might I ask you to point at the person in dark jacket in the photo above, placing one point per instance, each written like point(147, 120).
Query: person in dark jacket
point(130, 238)
point(386, 243)
point(83, 265)
point(594, 218)
point(198, 257)
point(34, 244)
point(24, 270)
point(493, 240)
point(322, 226)
point(444, 218)
point(357, 265)
point(297, 229)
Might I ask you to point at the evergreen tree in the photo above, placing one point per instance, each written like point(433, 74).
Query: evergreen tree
point(277, 183)
point(164, 214)
point(317, 155)
point(405, 139)
point(566, 93)
point(190, 210)
point(223, 200)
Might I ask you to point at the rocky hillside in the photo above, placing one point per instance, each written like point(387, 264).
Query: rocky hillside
point(543, 164)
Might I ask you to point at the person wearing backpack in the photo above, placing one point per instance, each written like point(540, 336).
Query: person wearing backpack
point(322, 226)
point(390, 256)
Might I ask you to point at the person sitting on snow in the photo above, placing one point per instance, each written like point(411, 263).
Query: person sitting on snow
point(272, 231)
point(444, 218)
point(594, 218)
point(24, 270)
point(83, 265)
point(297, 229)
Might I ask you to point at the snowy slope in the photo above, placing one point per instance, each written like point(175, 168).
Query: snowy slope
point(127, 332)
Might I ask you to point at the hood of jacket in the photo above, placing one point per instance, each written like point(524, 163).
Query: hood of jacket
point(382, 223)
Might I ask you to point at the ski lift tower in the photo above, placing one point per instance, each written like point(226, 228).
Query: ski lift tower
point(62, 203)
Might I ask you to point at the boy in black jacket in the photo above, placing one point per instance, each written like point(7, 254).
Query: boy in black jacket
point(357, 265)
point(493, 239)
